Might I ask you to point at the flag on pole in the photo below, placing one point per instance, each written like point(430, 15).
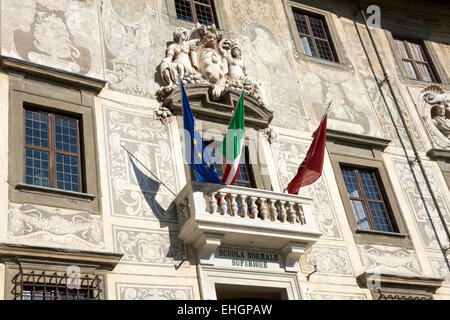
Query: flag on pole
point(311, 168)
point(233, 143)
point(194, 147)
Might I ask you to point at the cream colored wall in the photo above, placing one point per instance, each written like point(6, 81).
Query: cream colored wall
point(297, 89)
point(3, 169)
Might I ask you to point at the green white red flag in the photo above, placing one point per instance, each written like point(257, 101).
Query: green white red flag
point(233, 143)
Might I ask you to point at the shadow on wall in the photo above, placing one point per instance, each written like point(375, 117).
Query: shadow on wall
point(149, 188)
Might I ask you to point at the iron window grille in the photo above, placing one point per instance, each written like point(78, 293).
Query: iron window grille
point(52, 151)
point(314, 36)
point(55, 286)
point(415, 59)
point(201, 11)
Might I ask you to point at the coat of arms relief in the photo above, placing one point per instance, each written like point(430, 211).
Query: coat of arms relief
point(435, 110)
point(203, 56)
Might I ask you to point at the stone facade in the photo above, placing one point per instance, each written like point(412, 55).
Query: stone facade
point(139, 49)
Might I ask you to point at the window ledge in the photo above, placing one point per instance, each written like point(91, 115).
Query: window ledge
point(54, 191)
point(332, 64)
point(382, 233)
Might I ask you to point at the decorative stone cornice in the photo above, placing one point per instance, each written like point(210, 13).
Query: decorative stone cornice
point(385, 281)
point(18, 253)
point(439, 154)
point(374, 142)
point(74, 80)
point(203, 107)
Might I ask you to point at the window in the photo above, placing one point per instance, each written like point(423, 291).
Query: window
point(364, 192)
point(415, 59)
point(244, 177)
point(55, 286)
point(314, 35)
point(368, 197)
point(201, 11)
point(52, 150)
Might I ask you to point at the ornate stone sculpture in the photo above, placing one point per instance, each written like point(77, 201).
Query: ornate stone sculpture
point(435, 109)
point(207, 59)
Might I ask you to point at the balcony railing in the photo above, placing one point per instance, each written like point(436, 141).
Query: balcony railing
point(213, 215)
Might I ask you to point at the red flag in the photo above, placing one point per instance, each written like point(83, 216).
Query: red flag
point(311, 168)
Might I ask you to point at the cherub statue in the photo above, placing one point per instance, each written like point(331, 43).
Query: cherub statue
point(212, 65)
point(177, 63)
point(440, 112)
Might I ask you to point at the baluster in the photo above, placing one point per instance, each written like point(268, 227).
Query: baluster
point(273, 210)
point(263, 208)
point(223, 203)
point(283, 214)
point(253, 208)
point(213, 204)
point(300, 213)
point(244, 206)
point(234, 205)
point(291, 214)
point(207, 196)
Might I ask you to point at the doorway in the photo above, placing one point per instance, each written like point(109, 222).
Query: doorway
point(229, 291)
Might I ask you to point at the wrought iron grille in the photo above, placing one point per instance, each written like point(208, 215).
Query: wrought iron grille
point(55, 286)
point(383, 296)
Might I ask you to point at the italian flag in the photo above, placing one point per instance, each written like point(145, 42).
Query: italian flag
point(233, 143)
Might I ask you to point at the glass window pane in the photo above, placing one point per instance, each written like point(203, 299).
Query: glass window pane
point(350, 183)
point(410, 69)
point(424, 73)
point(317, 28)
point(66, 135)
point(308, 46)
point(324, 50)
point(36, 167)
point(183, 9)
point(36, 129)
point(402, 49)
point(379, 217)
point(416, 52)
point(361, 216)
point(204, 14)
point(300, 21)
point(67, 175)
point(369, 185)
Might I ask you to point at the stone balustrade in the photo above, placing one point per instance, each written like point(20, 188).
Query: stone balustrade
point(212, 215)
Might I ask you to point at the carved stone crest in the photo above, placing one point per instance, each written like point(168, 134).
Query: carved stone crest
point(435, 111)
point(202, 56)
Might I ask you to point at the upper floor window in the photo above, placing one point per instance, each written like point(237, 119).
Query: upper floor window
point(52, 150)
point(201, 11)
point(366, 198)
point(314, 36)
point(415, 59)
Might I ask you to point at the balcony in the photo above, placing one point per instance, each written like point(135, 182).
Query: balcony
point(212, 215)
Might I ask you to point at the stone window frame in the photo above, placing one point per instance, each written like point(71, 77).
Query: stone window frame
point(342, 62)
point(65, 93)
point(366, 152)
point(218, 9)
point(24, 258)
point(439, 71)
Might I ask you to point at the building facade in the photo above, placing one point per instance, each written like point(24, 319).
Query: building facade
point(97, 202)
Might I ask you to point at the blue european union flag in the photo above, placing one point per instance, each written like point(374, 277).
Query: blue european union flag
point(194, 146)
